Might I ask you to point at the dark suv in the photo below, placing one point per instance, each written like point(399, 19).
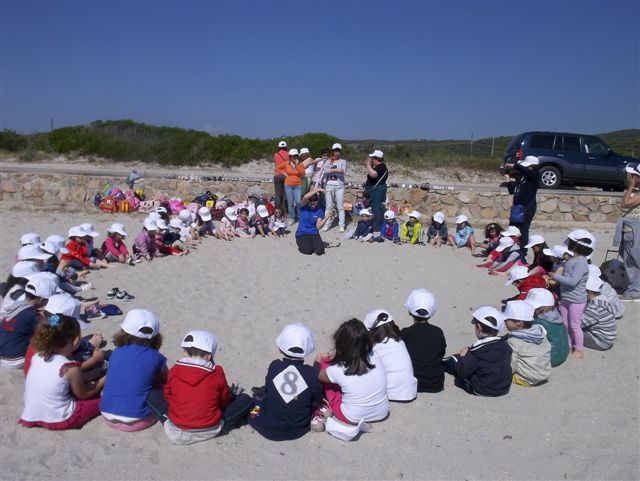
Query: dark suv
point(573, 159)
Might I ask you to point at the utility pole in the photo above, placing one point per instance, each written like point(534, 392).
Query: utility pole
point(493, 144)
point(471, 146)
point(51, 124)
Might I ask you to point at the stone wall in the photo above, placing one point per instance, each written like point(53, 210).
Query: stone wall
point(76, 192)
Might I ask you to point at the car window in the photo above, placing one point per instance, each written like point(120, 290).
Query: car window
point(541, 141)
point(595, 146)
point(514, 143)
point(571, 143)
point(557, 145)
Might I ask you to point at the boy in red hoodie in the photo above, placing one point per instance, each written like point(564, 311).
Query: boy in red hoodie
point(521, 278)
point(200, 402)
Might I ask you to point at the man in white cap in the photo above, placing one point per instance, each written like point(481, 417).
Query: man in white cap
point(375, 187)
point(335, 171)
point(627, 234)
point(280, 161)
point(524, 190)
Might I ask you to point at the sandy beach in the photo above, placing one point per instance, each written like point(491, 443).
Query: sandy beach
point(583, 424)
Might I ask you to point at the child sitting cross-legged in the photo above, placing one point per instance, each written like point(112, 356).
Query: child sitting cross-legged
point(531, 358)
point(364, 228)
point(411, 231)
point(598, 320)
point(199, 402)
point(524, 281)
point(437, 232)
point(463, 235)
point(547, 315)
point(484, 369)
point(389, 230)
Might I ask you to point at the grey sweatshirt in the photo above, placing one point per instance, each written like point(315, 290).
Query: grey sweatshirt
point(573, 281)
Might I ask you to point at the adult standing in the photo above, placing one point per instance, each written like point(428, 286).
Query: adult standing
point(628, 233)
point(311, 218)
point(280, 160)
point(334, 172)
point(375, 186)
point(305, 157)
point(524, 190)
point(292, 183)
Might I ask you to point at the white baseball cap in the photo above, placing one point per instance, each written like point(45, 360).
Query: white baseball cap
point(378, 154)
point(203, 340)
point(262, 211)
point(389, 215)
point(490, 317)
point(632, 169)
point(516, 274)
point(594, 284)
point(557, 251)
point(139, 321)
point(529, 160)
point(519, 311)
point(594, 270)
point(304, 150)
point(118, 229)
point(176, 223)
point(293, 152)
point(539, 297)
point(63, 304)
point(185, 215)
point(150, 225)
point(298, 337)
point(53, 248)
point(377, 318)
point(366, 211)
point(30, 238)
point(161, 224)
point(461, 218)
point(582, 237)
point(421, 300)
point(43, 287)
point(336, 146)
point(439, 217)
point(161, 210)
point(32, 251)
point(534, 240)
point(25, 269)
point(205, 213)
point(230, 213)
point(153, 216)
point(88, 228)
point(282, 144)
point(77, 231)
point(414, 213)
point(505, 242)
point(511, 231)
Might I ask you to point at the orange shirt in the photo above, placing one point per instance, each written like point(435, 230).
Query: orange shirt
point(280, 159)
point(293, 174)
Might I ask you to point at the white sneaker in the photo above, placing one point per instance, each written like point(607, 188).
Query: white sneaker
point(341, 229)
point(317, 424)
point(327, 226)
point(86, 287)
point(366, 238)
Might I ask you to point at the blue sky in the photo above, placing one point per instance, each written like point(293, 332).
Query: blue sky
point(388, 70)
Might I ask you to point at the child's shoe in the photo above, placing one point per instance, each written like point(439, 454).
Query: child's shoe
point(87, 286)
point(112, 292)
point(317, 424)
point(124, 296)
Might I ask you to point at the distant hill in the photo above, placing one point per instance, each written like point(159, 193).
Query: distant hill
point(126, 140)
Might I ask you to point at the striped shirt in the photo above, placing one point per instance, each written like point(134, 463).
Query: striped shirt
point(599, 320)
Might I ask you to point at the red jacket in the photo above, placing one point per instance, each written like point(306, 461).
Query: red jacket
point(528, 283)
point(77, 251)
point(196, 394)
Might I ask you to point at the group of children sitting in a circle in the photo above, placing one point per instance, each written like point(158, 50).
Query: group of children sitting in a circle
point(561, 307)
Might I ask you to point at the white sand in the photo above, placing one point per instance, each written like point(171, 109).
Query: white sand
point(582, 425)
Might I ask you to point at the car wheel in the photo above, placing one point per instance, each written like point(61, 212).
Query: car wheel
point(550, 177)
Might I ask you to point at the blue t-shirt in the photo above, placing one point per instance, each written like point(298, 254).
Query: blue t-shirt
point(16, 331)
point(130, 376)
point(307, 218)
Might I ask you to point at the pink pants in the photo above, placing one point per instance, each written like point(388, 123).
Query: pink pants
point(138, 425)
point(84, 412)
point(571, 314)
point(333, 395)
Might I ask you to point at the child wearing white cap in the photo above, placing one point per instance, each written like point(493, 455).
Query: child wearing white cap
point(531, 358)
point(260, 222)
point(353, 376)
point(228, 222)
point(437, 233)
point(389, 230)
point(56, 396)
point(411, 231)
point(484, 368)
point(392, 351)
point(425, 342)
point(198, 403)
point(508, 254)
point(463, 235)
point(144, 245)
point(524, 281)
point(113, 246)
point(291, 392)
point(598, 320)
point(204, 221)
point(364, 228)
point(20, 320)
point(542, 263)
point(77, 256)
point(547, 315)
point(135, 366)
point(572, 284)
point(96, 255)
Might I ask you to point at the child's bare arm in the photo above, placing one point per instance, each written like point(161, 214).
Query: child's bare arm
point(78, 386)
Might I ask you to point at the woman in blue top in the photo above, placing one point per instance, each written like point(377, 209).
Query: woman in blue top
point(311, 218)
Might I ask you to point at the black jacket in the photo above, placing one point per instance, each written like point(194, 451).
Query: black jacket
point(524, 189)
point(487, 366)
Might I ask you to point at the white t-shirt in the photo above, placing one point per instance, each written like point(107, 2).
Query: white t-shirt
point(401, 385)
point(46, 393)
point(363, 397)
